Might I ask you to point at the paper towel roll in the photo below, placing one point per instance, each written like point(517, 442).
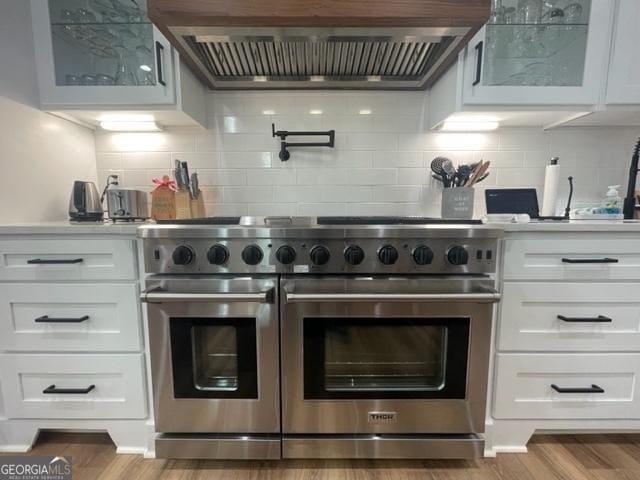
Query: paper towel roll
point(551, 184)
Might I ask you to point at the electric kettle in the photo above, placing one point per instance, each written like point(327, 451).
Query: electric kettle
point(84, 204)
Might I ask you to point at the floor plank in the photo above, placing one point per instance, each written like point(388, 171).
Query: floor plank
point(552, 457)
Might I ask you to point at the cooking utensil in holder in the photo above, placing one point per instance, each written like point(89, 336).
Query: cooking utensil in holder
point(457, 203)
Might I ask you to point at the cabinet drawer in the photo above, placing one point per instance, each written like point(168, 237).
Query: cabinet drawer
point(572, 259)
point(595, 317)
point(523, 387)
point(69, 317)
point(118, 386)
point(67, 259)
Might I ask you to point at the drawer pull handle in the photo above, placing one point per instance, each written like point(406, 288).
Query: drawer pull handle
point(68, 391)
point(598, 319)
point(590, 260)
point(40, 261)
point(593, 389)
point(48, 319)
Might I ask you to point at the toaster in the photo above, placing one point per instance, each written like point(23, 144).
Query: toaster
point(127, 204)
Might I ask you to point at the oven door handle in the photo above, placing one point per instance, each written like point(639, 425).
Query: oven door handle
point(478, 297)
point(157, 295)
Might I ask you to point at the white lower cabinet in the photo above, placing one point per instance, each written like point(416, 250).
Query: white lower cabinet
point(567, 386)
point(71, 338)
point(568, 336)
point(64, 259)
point(70, 317)
point(564, 317)
point(73, 386)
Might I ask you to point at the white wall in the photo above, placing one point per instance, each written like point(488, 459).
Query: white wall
point(40, 155)
point(380, 164)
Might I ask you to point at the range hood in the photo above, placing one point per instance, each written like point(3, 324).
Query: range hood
point(319, 44)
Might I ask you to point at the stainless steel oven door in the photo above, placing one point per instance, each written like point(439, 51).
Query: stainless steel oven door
point(385, 355)
point(214, 354)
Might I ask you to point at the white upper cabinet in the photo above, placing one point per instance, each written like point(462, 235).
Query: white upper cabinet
point(100, 52)
point(623, 86)
point(539, 52)
point(94, 56)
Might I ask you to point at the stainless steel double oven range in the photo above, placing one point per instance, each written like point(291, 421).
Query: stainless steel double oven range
point(328, 337)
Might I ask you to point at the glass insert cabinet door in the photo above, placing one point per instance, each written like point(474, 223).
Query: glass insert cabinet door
point(102, 42)
point(214, 357)
point(374, 358)
point(536, 42)
point(100, 52)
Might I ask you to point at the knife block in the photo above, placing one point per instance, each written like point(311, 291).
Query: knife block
point(197, 207)
point(183, 204)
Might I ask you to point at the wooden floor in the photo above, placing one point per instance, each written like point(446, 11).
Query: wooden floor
point(564, 457)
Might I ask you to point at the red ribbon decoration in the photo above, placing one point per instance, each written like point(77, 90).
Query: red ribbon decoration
point(165, 182)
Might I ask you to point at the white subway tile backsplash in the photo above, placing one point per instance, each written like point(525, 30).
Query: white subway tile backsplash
point(222, 176)
point(380, 164)
point(391, 194)
point(274, 176)
point(252, 194)
point(148, 160)
point(245, 159)
point(271, 209)
point(109, 161)
point(397, 159)
point(346, 194)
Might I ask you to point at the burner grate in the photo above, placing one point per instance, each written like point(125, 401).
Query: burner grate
point(201, 221)
point(382, 220)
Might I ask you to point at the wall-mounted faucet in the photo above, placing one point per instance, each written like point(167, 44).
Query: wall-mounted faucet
point(284, 145)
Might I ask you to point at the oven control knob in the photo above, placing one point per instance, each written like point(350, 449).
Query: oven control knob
point(320, 255)
point(183, 255)
point(457, 256)
point(218, 254)
point(252, 255)
point(388, 255)
point(353, 255)
point(286, 254)
point(422, 255)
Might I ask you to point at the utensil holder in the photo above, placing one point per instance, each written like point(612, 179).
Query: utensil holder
point(457, 203)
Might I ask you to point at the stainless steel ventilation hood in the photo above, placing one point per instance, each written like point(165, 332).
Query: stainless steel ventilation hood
point(393, 46)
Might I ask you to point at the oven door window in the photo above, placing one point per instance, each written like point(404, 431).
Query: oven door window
point(214, 357)
point(361, 358)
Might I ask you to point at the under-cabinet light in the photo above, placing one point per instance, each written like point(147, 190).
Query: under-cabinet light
point(130, 126)
point(453, 126)
point(316, 78)
point(260, 78)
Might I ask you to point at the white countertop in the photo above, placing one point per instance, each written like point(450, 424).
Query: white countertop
point(67, 228)
point(602, 226)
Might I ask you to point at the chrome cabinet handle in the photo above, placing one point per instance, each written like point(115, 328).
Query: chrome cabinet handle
point(64, 261)
point(48, 319)
point(68, 391)
point(161, 296)
point(488, 297)
point(593, 389)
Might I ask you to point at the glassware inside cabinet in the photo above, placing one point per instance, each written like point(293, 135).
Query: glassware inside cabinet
point(102, 43)
point(536, 43)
